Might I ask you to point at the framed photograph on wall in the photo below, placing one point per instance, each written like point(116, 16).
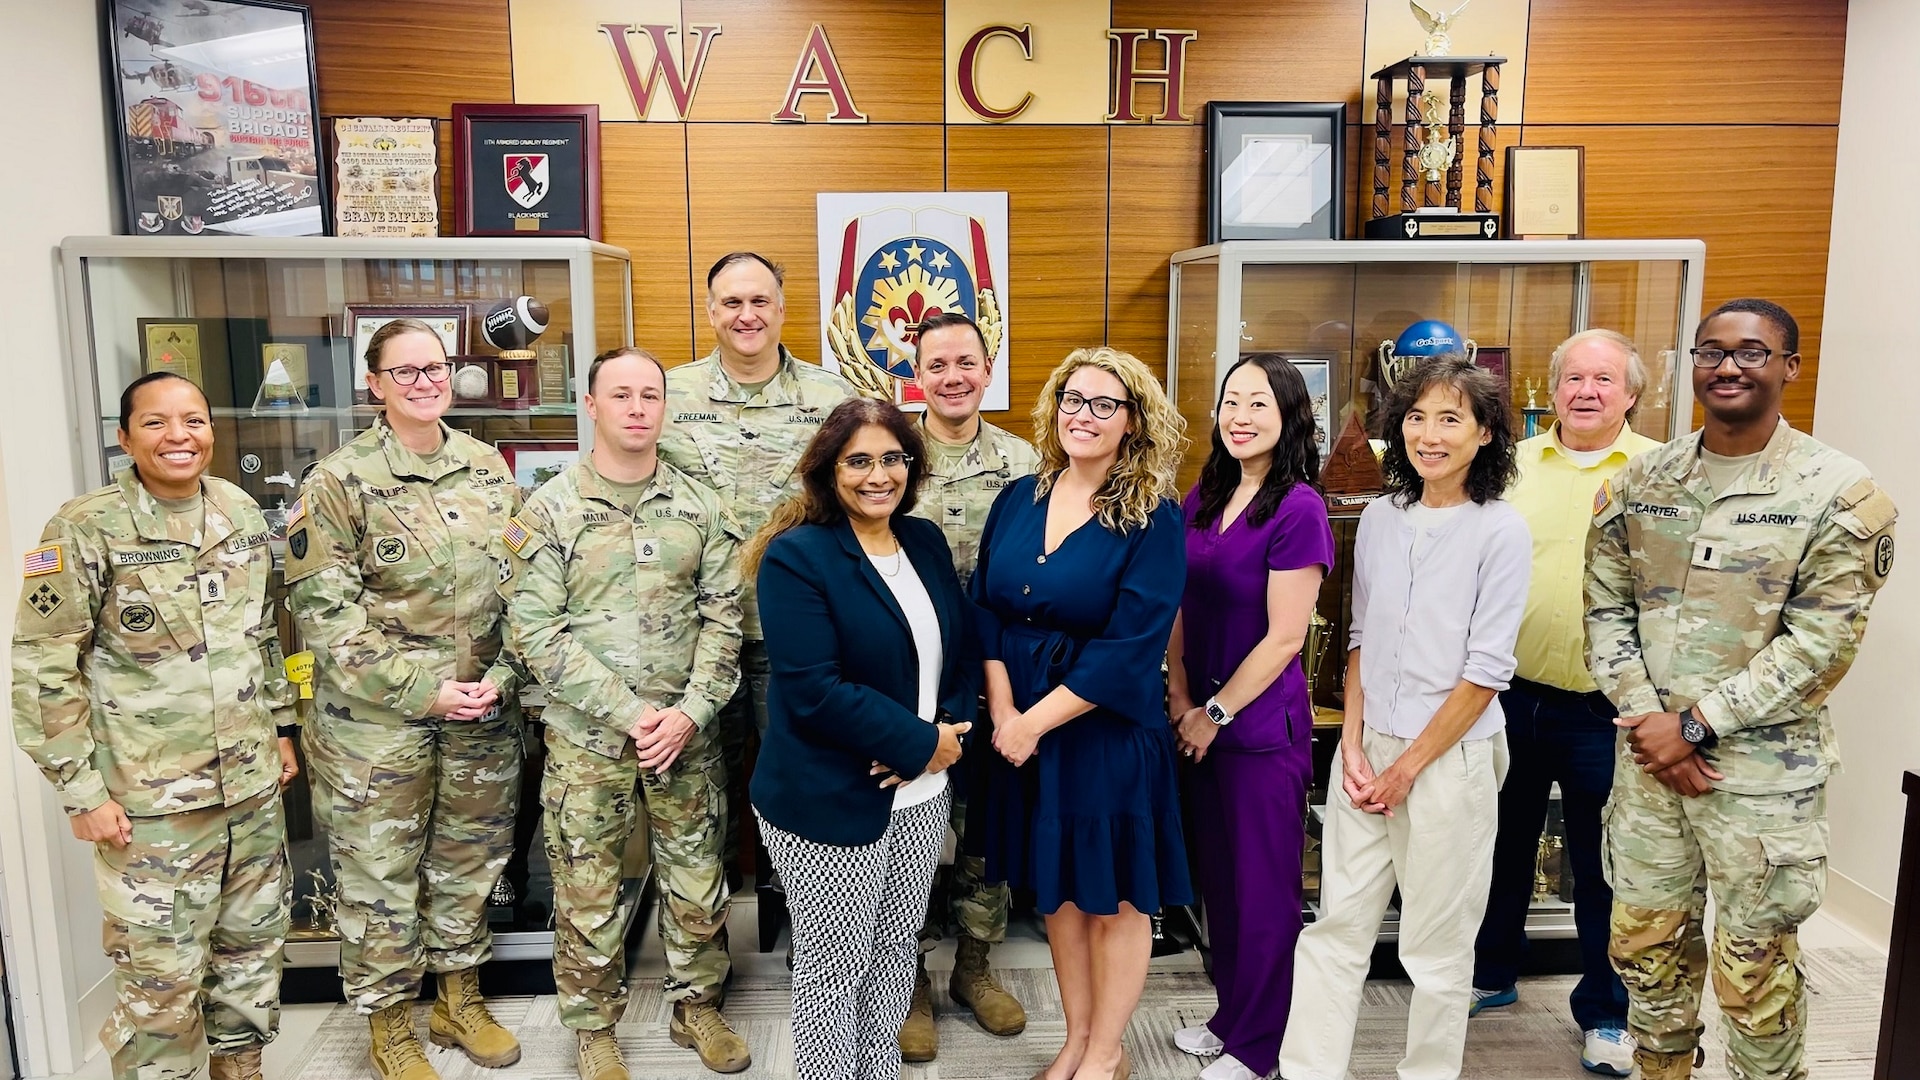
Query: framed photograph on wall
point(526, 170)
point(214, 112)
point(449, 321)
point(534, 463)
point(1276, 170)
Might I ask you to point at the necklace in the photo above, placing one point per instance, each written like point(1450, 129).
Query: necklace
point(895, 557)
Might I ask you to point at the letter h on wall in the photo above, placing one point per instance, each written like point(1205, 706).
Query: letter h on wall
point(1128, 74)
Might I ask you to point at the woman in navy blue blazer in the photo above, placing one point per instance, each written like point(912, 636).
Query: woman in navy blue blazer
point(875, 673)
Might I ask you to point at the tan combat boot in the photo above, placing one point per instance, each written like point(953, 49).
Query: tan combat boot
point(919, 1039)
point(397, 1053)
point(699, 1025)
point(460, 1021)
point(598, 1056)
point(974, 986)
point(244, 1065)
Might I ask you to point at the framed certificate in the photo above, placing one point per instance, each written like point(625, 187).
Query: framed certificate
point(1276, 170)
point(526, 170)
point(449, 321)
point(385, 179)
point(1546, 192)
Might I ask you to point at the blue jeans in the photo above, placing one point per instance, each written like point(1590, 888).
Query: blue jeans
point(1553, 734)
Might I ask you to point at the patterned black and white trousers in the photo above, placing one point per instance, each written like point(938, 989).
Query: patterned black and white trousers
point(856, 915)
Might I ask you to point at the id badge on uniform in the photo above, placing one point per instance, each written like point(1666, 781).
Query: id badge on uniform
point(213, 587)
point(646, 549)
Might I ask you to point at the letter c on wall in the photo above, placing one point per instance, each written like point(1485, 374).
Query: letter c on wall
point(967, 74)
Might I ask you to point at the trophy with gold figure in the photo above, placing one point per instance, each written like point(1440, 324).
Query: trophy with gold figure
point(1431, 148)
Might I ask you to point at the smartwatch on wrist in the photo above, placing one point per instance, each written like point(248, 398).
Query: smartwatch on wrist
point(1219, 715)
point(1695, 730)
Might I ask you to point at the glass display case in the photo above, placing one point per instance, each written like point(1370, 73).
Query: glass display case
point(273, 330)
point(1329, 306)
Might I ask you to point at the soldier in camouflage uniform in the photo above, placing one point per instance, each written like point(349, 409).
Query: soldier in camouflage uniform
point(1730, 573)
point(394, 565)
point(624, 603)
point(147, 686)
point(738, 422)
point(968, 462)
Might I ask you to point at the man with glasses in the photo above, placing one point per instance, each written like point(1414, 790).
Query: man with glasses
point(624, 602)
point(1730, 574)
point(738, 422)
point(969, 461)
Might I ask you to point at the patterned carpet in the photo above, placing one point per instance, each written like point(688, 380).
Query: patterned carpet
point(1533, 1040)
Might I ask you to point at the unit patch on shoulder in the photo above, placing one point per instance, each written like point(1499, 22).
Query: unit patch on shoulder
point(43, 560)
point(45, 600)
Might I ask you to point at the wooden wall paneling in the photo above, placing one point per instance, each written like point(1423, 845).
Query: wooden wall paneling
point(1658, 62)
point(1760, 196)
point(383, 58)
point(1159, 206)
point(1057, 209)
point(1233, 59)
point(643, 197)
point(754, 187)
point(891, 53)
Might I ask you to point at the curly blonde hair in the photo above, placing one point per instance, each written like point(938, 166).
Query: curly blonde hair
point(1149, 451)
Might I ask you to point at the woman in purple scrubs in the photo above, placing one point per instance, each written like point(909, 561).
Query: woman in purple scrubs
point(1258, 547)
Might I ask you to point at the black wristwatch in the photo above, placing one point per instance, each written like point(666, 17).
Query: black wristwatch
point(1695, 730)
point(287, 731)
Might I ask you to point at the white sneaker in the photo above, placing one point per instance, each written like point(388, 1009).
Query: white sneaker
point(1607, 1051)
point(1198, 1041)
point(1227, 1068)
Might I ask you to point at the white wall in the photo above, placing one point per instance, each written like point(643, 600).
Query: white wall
point(1868, 398)
point(51, 918)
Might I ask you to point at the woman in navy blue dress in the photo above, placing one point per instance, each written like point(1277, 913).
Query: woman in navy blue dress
point(1080, 575)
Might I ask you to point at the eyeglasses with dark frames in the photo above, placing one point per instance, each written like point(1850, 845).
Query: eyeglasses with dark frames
point(1070, 402)
point(1742, 358)
point(407, 376)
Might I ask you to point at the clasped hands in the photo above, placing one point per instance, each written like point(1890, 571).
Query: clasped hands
point(1374, 793)
point(945, 753)
point(1659, 748)
point(659, 735)
point(465, 700)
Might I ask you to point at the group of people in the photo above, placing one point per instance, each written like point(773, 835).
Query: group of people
point(941, 636)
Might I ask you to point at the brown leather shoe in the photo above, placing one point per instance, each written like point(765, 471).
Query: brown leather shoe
point(598, 1056)
point(919, 1039)
point(460, 1021)
point(244, 1065)
point(396, 1050)
point(699, 1025)
point(974, 986)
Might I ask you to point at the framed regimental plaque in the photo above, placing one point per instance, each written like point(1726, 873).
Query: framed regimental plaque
point(1546, 192)
point(526, 170)
point(385, 177)
point(194, 349)
point(1276, 170)
point(449, 321)
point(213, 104)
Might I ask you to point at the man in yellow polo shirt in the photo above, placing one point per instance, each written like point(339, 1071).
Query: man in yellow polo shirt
point(1559, 726)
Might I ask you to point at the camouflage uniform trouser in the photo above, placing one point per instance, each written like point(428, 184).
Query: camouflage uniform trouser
point(419, 819)
point(741, 722)
point(592, 806)
point(976, 907)
point(1765, 858)
point(196, 915)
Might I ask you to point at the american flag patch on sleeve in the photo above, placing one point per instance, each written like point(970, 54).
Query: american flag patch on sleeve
point(43, 560)
point(297, 511)
point(515, 535)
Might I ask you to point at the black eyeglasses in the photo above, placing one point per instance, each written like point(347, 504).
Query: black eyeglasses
point(1745, 358)
point(862, 464)
point(1071, 402)
point(407, 376)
